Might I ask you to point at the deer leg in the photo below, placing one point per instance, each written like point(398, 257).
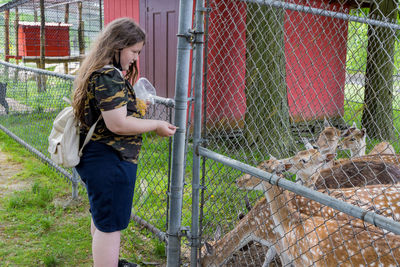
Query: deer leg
point(5, 105)
point(269, 257)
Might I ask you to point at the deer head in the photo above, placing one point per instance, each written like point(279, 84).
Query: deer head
point(250, 182)
point(354, 139)
point(328, 139)
point(306, 163)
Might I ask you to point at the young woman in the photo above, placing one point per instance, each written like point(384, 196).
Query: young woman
point(109, 162)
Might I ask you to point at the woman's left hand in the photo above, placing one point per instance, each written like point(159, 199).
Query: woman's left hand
point(165, 129)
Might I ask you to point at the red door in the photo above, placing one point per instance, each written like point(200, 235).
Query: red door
point(158, 58)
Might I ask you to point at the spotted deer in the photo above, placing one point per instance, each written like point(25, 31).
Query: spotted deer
point(306, 163)
point(321, 243)
point(314, 168)
point(327, 141)
point(320, 236)
point(315, 241)
point(354, 139)
point(380, 198)
point(258, 226)
point(255, 226)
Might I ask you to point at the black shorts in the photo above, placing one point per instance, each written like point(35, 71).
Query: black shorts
point(110, 183)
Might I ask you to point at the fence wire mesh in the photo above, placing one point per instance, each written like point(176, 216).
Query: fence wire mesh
point(70, 27)
point(307, 90)
point(27, 113)
point(30, 98)
point(26, 109)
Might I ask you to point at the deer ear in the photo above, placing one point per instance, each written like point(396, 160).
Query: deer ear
point(288, 166)
point(347, 132)
point(363, 131)
point(330, 156)
point(217, 233)
point(209, 248)
point(326, 123)
point(272, 157)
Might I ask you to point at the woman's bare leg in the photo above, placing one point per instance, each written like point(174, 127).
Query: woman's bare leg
point(105, 247)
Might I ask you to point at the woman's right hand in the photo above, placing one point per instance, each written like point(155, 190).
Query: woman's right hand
point(165, 129)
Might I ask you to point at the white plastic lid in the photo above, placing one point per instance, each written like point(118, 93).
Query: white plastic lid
point(144, 90)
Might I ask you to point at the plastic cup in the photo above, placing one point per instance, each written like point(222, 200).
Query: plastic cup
point(144, 90)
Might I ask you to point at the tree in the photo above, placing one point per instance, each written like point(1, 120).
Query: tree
point(267, 118)
point(377, 116)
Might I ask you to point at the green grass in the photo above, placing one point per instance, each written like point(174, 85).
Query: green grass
point(35, 230)
point(26, 92)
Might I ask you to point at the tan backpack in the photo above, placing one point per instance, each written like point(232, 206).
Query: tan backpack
point(64, 138)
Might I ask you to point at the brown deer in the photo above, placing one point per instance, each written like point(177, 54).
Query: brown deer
point(327, 141)
point(315, 241)
point(330, 239)
point(306, 163)
point(354, 140)
point(257, 225)
point(314, 168)
point(381, 199)
point(356, 172)
point(378, 198)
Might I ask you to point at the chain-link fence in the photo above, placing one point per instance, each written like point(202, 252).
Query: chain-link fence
point(69, 29)
point(315, 85)
point(27, 114)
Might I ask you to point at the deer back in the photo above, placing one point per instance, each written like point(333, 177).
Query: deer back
point(358, 173)
point(382, 148)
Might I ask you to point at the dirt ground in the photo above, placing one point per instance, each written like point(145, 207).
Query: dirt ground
point(8, 169)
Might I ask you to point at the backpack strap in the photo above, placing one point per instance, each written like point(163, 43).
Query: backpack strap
point(89, 135)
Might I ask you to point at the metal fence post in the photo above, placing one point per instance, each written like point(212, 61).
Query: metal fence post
point(198, 65)
point(75, 183)
point(181, 87)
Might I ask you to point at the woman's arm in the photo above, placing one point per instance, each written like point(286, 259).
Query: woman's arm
point(119, 123)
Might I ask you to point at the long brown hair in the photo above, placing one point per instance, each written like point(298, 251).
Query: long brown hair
point(117, 35)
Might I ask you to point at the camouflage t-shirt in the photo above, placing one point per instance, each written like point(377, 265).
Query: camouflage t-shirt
point(108, 90)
